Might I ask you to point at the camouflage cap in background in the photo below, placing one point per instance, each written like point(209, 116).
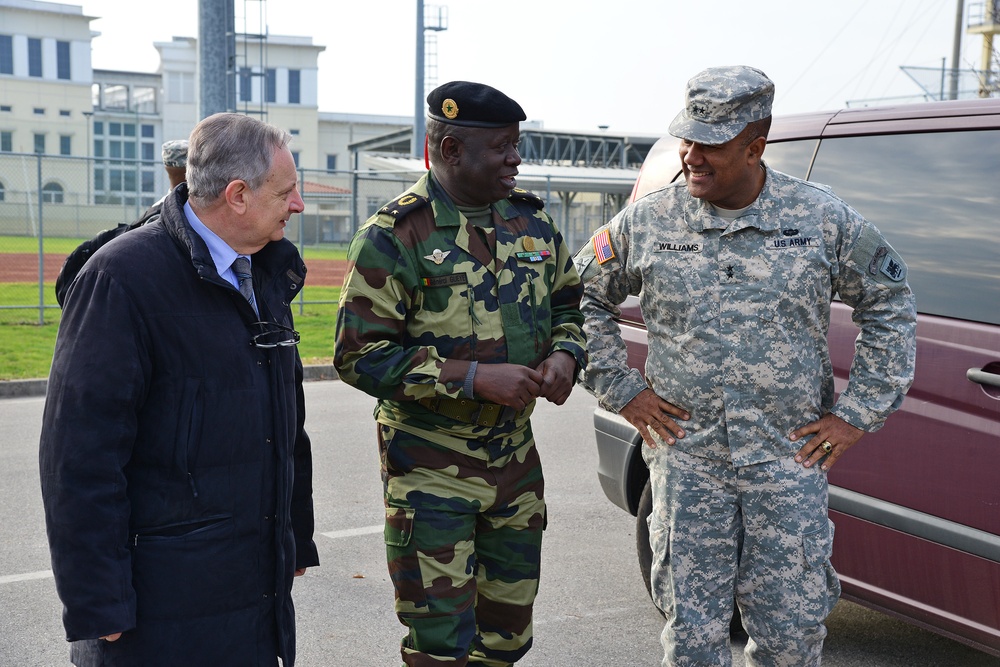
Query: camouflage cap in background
point(175, 153)
point(720, 102)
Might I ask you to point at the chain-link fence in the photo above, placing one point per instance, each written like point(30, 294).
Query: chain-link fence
point(49, 204)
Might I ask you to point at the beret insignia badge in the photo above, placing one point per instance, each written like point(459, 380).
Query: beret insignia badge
point(450, 109)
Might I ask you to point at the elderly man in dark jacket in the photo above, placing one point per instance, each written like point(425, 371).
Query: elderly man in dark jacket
point(175, 469)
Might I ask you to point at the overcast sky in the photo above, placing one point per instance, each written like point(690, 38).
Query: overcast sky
point(579, 64)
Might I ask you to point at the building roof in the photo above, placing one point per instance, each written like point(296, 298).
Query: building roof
point(534, 177)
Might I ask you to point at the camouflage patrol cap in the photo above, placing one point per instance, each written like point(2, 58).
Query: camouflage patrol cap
point(720, 102)
point(175, 153)
point(472, 105)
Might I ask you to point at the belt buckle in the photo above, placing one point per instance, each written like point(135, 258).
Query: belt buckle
point(491, 418)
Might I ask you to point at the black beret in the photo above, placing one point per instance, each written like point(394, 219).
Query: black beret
point(472, 105)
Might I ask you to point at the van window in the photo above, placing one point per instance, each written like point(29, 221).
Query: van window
point(790, 157)
point(936, 199)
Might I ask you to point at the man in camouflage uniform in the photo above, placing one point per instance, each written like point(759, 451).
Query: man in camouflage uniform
point(461, 307)
point(735, 269)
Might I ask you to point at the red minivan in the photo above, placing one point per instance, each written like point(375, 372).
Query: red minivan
point(917, 504)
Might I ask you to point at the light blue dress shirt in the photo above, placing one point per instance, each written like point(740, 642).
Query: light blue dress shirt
point(222, 254)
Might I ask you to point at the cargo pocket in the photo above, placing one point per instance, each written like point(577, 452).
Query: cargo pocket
point(821, 587)
point(660, 579)
point(404, 562)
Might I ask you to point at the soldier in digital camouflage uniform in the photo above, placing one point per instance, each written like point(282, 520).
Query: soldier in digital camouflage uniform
point(735, 269)
point(461, 307)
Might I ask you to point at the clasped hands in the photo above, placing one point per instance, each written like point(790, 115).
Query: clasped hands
point(517, 386)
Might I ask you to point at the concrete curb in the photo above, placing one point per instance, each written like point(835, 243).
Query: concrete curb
point(28, 388)
point(22, 388)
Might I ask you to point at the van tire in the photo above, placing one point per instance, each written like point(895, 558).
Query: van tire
point(645, 554)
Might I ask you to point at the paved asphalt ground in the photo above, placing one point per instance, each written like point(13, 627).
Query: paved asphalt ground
point(592, 609)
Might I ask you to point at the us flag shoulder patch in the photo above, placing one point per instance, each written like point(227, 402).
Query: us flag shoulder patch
point(602, 246)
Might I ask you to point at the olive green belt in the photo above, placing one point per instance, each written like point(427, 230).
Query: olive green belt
point(469, 411)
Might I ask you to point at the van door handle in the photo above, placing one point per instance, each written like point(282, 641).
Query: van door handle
point(982, 377)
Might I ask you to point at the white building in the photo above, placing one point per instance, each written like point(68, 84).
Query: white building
point(80, 148)
point(52, 102)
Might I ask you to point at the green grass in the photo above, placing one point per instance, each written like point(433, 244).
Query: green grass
point(26, 346)
point(29, 245)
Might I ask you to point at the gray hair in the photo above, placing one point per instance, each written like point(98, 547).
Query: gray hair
point(227, 147)
point(437, 131)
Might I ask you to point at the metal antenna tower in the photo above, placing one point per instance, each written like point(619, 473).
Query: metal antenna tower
point(250, 62)
point(984, 19)
point(434, 19)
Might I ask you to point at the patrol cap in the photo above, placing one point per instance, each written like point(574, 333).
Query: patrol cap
point(720, 102)
point(472, 105)
point(175, 153)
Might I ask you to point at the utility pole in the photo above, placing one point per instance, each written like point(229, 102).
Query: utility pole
point(419, 125)
point(217, 54)
point(437, 24)
point(956, 49)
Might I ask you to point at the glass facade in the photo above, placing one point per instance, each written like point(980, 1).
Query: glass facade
point(118, 168)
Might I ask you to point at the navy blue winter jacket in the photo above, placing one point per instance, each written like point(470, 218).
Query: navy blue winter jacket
point(176, 473)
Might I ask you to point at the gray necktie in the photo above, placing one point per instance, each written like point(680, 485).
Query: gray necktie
point(241, 267)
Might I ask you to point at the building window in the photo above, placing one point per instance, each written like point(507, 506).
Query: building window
point(65, 113)
point(148, 131)
point(294, 133)
point(116, 96)
point(148, 152)
point(52, 193)
point(331, 163)
point(246, 87)
point(6, 54)
point(294, 86)
point(144, 99)
point(62, 60)
point(295, 157)
point(272, 85)
point(39, 142)
point(6, 108)
point(38, 111)
point(65, 145)
point(1, 192)
point(34, 57)
point(6, 142)
point(180, 88)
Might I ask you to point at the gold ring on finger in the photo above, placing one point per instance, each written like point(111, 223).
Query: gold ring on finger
point(826, 446)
